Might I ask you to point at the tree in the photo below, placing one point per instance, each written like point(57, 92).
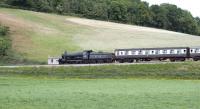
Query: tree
point(118, 11)
point(159, 17)
point(165, 16)
point(3, 30)
point(21, 3)
point(4, 43)
point(197, 20)
point(198, 23)
point(143, 14)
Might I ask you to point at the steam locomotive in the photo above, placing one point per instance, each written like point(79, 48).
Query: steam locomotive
point(87, 57)
point(132, 55)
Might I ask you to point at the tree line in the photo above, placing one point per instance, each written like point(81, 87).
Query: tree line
point(4, 40)
point(164, 16)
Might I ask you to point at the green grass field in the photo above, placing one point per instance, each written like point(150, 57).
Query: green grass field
point(150, 86)
point(36, 35)
point(32, 93)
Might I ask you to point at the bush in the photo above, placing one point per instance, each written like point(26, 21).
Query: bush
point(4, 46)
point(3, 30)
point(4, 42)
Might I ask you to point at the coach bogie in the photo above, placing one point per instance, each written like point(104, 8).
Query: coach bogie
point(182, 59)
point(120, 60)
point(130, 61)
point(196, 58)
point(172, 59)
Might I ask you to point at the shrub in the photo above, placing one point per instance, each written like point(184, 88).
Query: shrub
point(4, 42)
point(4, 46)
point(3, 30)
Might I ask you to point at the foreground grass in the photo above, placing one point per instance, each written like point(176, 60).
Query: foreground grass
point(30, 93)
point(101, 87)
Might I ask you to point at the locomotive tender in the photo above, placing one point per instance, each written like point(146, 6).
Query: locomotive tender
point(132, 55)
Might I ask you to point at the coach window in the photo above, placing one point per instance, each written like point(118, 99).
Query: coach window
point(196, 50)
point(171, 51)
point(178, 52)
point(51, 60)
point(157, 52)
point(140, 52)
point(146, 52)
point(129, 53)
point(126, 52)
point(118, 53)
point(121, 53)
point(152, 52)
point(133, 52)
point(164, 51)
point(160, 51)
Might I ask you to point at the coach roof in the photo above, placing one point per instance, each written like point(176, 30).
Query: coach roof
point(153, 48)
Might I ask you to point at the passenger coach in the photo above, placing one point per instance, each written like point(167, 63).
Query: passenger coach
point(148, 54)
point(195, 53)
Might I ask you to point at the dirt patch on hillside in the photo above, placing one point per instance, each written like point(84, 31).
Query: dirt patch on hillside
point(21, 31)
point(20, 41)
point(116, 26)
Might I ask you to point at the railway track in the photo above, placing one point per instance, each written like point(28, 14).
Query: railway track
point(85, 65)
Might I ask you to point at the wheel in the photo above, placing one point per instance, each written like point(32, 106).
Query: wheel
point(93, 61)
point(85, 62)
point(121, 61)
point(172, 59)
point(137, 60)
point(183, 59)
point(148, 59)
point(160, 59)
point(100, 61)
point(130, 61)
point(195, 59)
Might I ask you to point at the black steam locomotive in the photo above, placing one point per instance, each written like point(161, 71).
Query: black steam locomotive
point(87, 57)
point(132, 55)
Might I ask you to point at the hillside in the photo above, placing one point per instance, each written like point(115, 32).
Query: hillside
point(36, 35)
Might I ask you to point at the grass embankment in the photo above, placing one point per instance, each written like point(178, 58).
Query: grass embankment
point(176, 71)
point(101, 87)
point(36, 35)
point(23, 93)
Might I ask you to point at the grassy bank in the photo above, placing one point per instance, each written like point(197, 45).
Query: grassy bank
point(101, 87)
point(187, 70)
point(28, 93)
